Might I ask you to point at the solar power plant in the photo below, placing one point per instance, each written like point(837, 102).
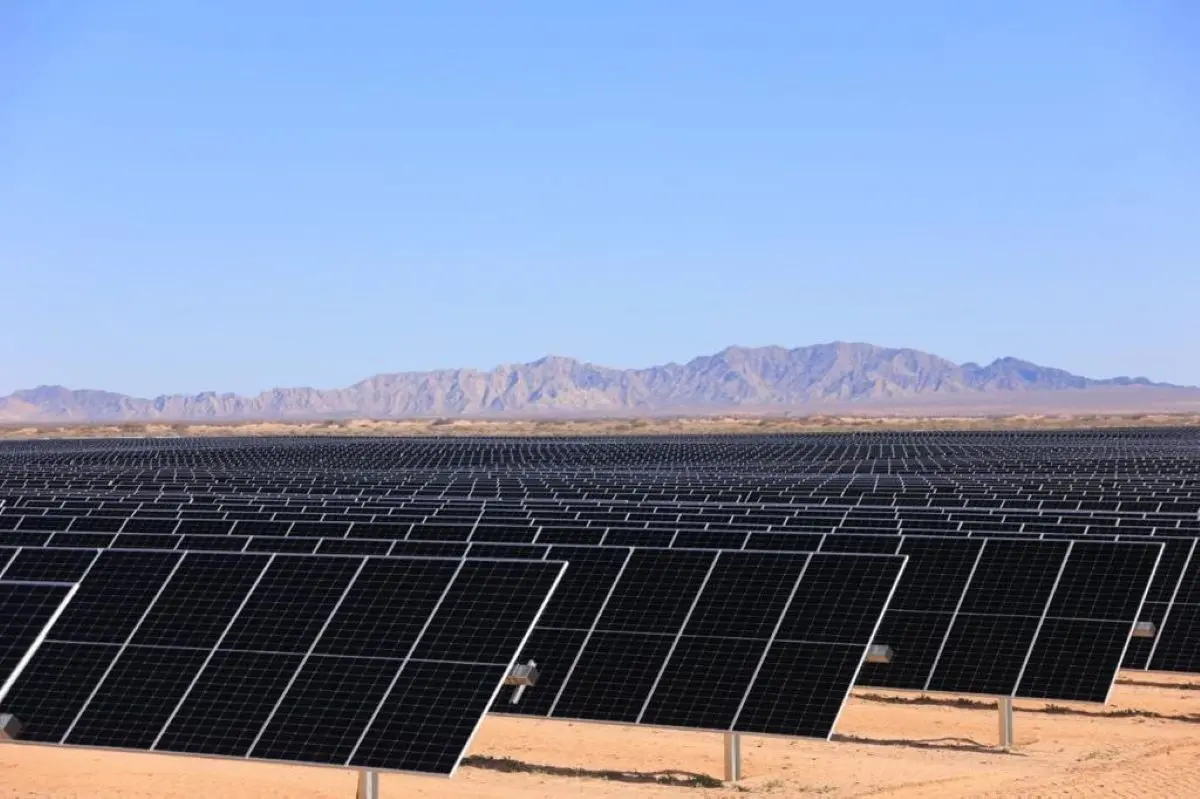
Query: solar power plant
point(373, 663)
point(1037, 563)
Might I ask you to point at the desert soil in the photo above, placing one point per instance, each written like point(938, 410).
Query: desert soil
point(1146, 743)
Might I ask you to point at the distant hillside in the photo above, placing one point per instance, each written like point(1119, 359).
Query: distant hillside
point(766, 379)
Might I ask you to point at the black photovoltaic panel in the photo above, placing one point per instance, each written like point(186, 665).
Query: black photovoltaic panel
point(27, 611)
point(757, 642)
point(937, 575)
point(997, 618)
point(369, 662)
point(1038, 619)
point(1087, 624)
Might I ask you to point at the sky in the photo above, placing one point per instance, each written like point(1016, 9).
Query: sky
point(227, 195)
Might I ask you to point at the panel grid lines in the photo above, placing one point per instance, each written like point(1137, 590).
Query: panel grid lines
point(1042, 620)
point(213, 651)
point(954, 616)
point(306, 657)
point(675, 642)
point(590, 632)
point(407, 657)
point(123, 647)
point(770, 641)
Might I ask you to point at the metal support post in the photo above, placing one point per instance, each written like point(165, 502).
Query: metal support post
point(1005, 705)
point(368, 785)
point(733, 757)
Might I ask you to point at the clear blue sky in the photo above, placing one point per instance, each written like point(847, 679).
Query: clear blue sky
point(241, 194)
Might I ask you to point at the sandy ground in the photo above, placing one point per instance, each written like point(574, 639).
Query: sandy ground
point(1145, 744)
point(610, 427)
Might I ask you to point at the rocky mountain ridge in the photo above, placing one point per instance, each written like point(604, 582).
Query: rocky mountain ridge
point(735, 379)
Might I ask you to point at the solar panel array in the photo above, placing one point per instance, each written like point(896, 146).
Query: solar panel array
point(382, 663)
point(728, 582)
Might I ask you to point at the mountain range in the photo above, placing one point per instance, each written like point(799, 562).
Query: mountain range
point(737, 379)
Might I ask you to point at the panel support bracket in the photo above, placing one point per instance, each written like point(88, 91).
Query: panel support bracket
point(368, 785)
point(1005, 705)
point(733, 757)
point(10, 727)
point(522, 676)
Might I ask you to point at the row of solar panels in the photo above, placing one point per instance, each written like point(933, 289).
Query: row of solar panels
point(389, 663)
point(859, 463)
point(651, 512)
point(331, 497)
point(916, 503)
point(640, 487)
point(499, 531)
point(1173, 593)
point(522, 531)
point(587, 506)
point(977, 469)
point(974, 473)
point(753, 642)
point(862, 465)
point(1132, 441)
point(996, 480)
point(1160, 610)
point(695, 452)
point(415, 453)
point(528, 524)
point(648, 514)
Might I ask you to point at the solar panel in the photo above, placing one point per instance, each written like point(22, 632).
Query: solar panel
point(726, 640)
point(1039, 619)
point(369, 662)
